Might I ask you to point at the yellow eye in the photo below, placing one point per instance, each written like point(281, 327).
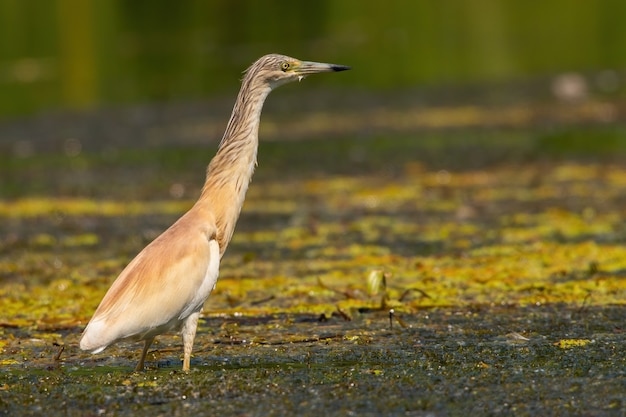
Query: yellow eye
point(285, 66)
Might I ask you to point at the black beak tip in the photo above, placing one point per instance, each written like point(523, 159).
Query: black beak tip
point(337, 68)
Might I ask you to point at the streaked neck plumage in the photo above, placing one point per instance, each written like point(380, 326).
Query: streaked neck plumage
point(230, 171)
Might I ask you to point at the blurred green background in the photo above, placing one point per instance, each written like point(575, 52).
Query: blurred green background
point(78, 54)
point(475, 155)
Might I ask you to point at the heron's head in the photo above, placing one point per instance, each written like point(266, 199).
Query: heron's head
point(275, 70)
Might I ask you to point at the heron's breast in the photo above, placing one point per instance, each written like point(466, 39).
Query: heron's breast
point(208, 283)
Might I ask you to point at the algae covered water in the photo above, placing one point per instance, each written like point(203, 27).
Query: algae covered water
point(501, 254)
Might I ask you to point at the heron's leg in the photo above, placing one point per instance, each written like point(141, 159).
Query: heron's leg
point(189, 333)
point(146, 346)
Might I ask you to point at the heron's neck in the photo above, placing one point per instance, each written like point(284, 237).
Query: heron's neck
point(236, 156)
point(230, 171)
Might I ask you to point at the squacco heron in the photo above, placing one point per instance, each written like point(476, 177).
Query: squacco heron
point(164, 288)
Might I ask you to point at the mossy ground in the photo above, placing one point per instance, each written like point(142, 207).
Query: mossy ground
point(501, 253)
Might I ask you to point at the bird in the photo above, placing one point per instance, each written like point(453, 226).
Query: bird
point(164, 288)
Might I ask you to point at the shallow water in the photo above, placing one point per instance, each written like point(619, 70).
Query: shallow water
point(502, 253)
point(490, 360)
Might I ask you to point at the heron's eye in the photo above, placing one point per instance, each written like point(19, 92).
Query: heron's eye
point(285, 66)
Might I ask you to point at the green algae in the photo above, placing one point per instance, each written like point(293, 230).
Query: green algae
point(447, 360)
point(504, 269)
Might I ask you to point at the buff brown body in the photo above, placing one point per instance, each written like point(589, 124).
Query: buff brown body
point(164, 288)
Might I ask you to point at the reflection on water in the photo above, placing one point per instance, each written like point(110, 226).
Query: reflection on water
point(85, 53)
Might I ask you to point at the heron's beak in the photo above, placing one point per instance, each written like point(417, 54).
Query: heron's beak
point(306, 67)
